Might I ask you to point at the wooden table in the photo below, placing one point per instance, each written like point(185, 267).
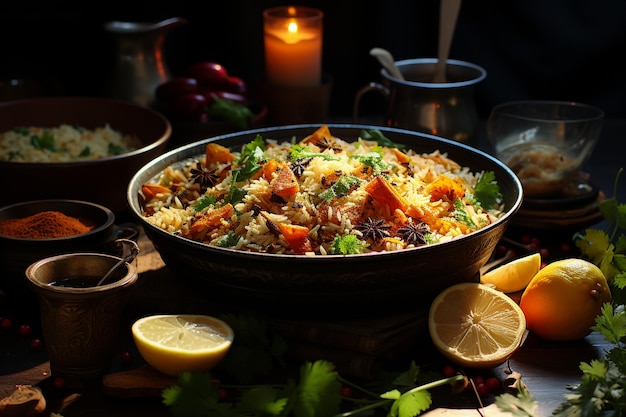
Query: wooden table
point(547, 368)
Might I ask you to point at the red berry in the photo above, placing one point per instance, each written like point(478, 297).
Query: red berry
point(478, 380)
point(525, 239)
point(222, 394)
point(346, 391)
point(175, 87)
point(59, 383)
point(448, 371)
point(25, 330)
point(501, 250)
point(36, 344)
point(566, 247)
point(545, 253)
point(5, 324)
point(482, 389)
point(493, 383)
point(126, 357)
point(210, 74)
point(190, 106)
point(236, 85)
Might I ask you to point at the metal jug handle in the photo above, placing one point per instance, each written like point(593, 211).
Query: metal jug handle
point(373, 86)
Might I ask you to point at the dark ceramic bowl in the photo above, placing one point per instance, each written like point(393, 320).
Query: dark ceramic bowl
point(101, 181)
point(16, 254)
point(357, 283)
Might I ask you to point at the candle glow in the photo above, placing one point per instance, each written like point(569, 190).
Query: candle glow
point(293, 46)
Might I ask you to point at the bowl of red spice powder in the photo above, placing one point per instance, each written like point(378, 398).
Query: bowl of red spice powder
point(33, 230)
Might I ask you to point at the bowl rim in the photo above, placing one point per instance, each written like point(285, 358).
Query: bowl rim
point(149, 228)
point(596, 113)
point(162, 139)
point(110, 218)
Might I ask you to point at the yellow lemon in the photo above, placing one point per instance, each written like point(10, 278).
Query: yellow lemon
point(173, 343)
point(475, 325)
point(514, 275)
point(562, 300)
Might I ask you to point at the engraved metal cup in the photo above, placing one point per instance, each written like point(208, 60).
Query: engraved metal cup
point(80, 324)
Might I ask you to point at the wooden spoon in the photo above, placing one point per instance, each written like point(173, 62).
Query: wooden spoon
point(449, 11)
point(386, 60)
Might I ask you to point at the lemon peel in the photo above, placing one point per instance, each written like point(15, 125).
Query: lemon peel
point(515, 275)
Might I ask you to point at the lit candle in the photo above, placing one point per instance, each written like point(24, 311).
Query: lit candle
point(293, 46)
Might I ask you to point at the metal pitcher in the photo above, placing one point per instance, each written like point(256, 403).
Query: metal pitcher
point(139, 62)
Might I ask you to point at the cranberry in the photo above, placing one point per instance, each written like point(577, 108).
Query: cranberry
point(59, 383)
point(493, 383)
point(190, 106)
point(25, 330)
point(545, 253)
point(5, 323)
point(236, 85)
point(126, 357)
point(346, 391)
point(482, 389)
point(36, 344)
point(448, 371)
point(566, 247)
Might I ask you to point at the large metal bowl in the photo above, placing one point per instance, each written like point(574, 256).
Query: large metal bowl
point(367, 282)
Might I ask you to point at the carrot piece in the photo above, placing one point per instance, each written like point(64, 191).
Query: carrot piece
point(218, 153)
point(297, 237)
point(285, 184)
point(209, 221)
point(269, 168)
point(445, 187)
point(151, 190)
point(321, 133)
point(383, 193)
point(401, 156)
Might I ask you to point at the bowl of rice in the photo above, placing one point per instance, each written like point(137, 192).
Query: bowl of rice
point(84, 148)
point(357, 217)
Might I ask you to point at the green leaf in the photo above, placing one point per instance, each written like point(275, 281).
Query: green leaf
point(411, 404)
point(521, 405)
point(378, 137)
point(194, 396)
point(373, 160)
point(347, 245)
point(487, 190)
point(304, 152)
point(340, 188)
point(234, 114)
point(611, 323)
point(318, 390)
point(262, 401)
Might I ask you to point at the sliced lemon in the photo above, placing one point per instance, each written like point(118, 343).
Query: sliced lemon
point(514, 275)
point(475, 325)
point(173, 343)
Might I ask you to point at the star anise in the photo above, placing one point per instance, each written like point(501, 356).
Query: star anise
point(299, 165)
point(324, 144)
point(414, 234)
point(374, 229)
point(203, 176)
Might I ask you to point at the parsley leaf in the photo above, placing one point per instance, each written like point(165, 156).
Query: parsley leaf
point(304, 152)
point(460, 213)
point(347, 245)
point(195, 395)
point(487, 191)
point(340, 188)
point(373, 160)
point(232, 113)
point(45, 141)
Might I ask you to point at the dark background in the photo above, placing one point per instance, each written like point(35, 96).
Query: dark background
point(557, 49)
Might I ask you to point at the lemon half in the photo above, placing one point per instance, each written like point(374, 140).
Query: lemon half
point(475, 325)
point(174, 343)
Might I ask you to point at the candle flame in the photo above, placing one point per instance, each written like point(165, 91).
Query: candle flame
point(292, 27)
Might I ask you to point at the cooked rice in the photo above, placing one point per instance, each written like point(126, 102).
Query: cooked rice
point(64, 143)
point(432, 195)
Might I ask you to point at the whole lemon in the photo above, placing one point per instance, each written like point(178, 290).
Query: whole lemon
point(564, 298)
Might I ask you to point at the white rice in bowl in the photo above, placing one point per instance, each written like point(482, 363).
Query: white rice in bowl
point(321, 196)
point(64, 143)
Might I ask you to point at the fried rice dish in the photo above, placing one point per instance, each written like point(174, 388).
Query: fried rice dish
point(321, 195)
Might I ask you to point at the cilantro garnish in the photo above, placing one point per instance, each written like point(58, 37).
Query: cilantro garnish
point(45, 141)
point(85, 152)
point(304, 152)
point(486, 191)
point(340, 188)
point(115, 149)
point(373, 160)
point(378, 137)
point(460, 213)
point(204, 202)
point(229, 240)
point(347, 245)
